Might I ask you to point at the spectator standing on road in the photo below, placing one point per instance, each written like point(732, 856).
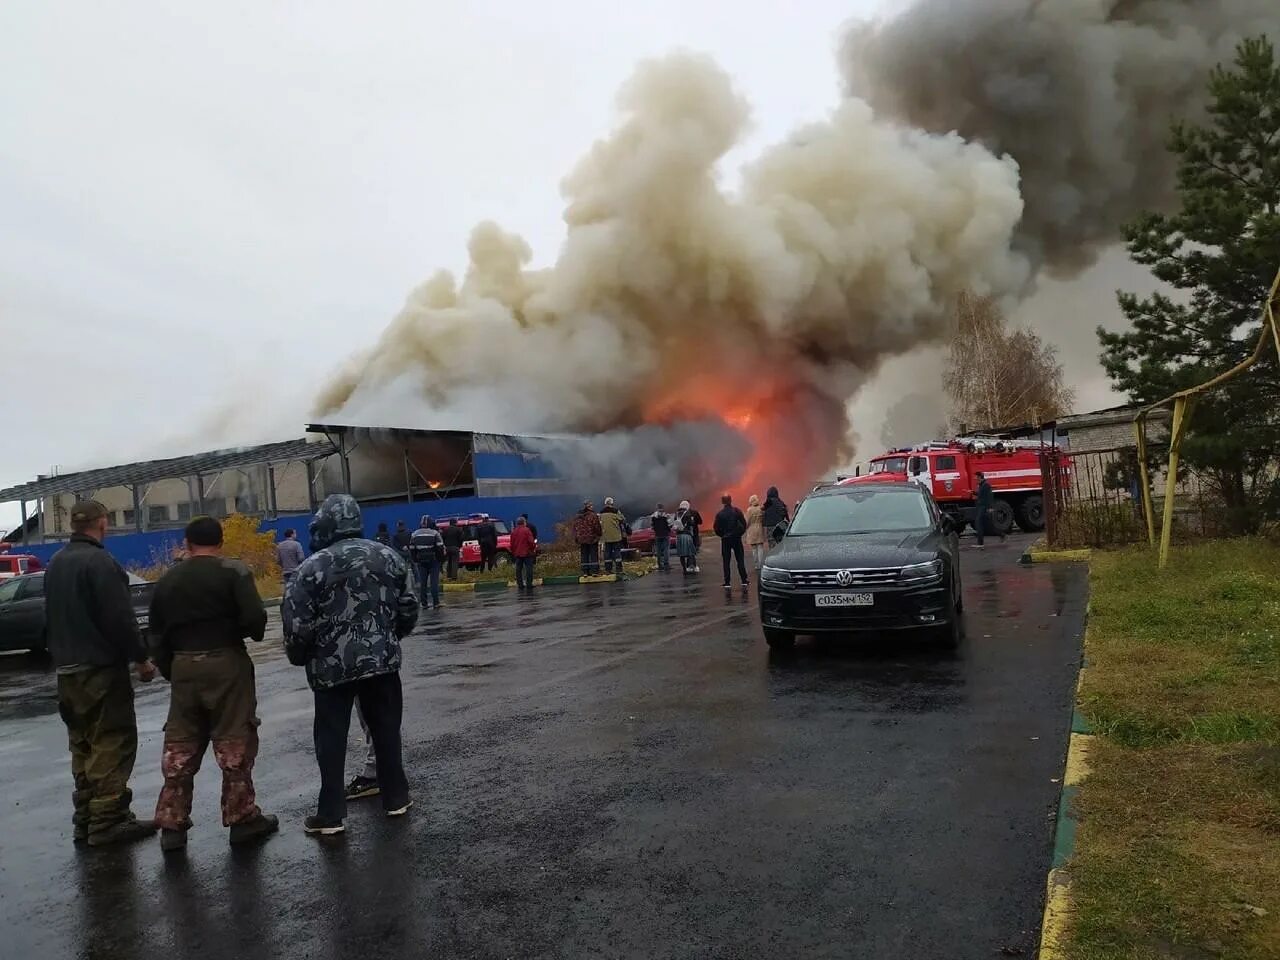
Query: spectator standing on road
point(755, 531)
point(400, 539)
point(289, 554)
point(524, 548)
point(344, 616)
point(774, 513)
point(487, 536)
point(92, 635)
point(730, 526)
point(614, 530)
point(201, 613)
point(452, 536)
point(986, 498)
point(587, 531)
point(687, 524)
point(383, 536)
point(427, 551)
point(660, 521)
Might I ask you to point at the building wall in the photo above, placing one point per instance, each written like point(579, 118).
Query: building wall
point(143, 549)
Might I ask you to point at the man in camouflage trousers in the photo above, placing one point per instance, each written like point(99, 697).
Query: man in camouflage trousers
point(93, 637)
point(344, 616)
point(201, 613)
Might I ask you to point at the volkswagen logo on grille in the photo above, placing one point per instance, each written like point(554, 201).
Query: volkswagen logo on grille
point(844, 578)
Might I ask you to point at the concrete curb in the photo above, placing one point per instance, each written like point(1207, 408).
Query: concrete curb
point(492, 586)
point(1058, 908)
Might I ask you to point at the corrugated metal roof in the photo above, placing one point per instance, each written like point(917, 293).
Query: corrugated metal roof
point(87, 481)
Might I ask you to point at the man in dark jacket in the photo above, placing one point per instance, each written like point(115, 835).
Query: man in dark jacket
point(586, 534)
point(986, 498)
point(93, 638)
point(774, 513)
point(487, 537)
point(730, 525)
point(451, 533)
point(201, 613)
point(344, 616)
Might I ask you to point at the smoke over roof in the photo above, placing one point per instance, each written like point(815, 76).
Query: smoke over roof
point(674, 300)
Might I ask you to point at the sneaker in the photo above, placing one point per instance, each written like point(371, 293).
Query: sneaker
point(696, 568)
point(126, 831)
point(256, 828)
point(400, 811)
point(362, 787)
point(318, 826)
point(173, 840)
point(728, 586)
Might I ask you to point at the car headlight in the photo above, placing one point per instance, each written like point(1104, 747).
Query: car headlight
point(931, 570)
point(775, 575)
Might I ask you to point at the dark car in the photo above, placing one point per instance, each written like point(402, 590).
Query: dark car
point(872, 557)
point(22, 610)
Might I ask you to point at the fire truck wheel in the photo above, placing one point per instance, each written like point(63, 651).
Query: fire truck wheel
point(1001, 517)
point(1031, 513)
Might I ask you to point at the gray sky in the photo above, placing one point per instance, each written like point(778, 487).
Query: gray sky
point(204, 200)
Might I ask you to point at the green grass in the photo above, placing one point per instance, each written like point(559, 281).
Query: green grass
point(1178, 851)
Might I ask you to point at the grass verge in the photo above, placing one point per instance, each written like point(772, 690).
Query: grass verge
point(1178, 850)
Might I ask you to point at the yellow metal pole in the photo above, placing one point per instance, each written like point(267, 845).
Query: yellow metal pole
point(1140, 429)
point(1180, 413)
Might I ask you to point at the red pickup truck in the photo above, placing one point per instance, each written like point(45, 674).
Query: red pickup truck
point(470, 556)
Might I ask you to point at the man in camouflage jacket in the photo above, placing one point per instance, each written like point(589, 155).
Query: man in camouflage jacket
point(344, 616)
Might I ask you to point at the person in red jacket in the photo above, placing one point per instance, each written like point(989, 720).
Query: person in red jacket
point(524, 547)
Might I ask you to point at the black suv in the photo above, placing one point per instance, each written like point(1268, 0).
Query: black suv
point(863, 557)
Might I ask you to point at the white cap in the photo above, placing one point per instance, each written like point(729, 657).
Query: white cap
point(684, 504)
point(608, 501)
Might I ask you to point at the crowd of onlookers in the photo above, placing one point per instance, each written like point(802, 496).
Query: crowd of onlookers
point(433, 552)
point(345, 609)
point(608, 530)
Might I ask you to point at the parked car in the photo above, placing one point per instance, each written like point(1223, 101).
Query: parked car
point(879, 557)
point(642, 538)
point(17, 564)
point(22, 610)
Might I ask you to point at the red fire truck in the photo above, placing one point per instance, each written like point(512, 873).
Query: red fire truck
point(948, 468)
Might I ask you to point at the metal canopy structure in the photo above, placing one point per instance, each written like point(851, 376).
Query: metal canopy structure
point(148, 471)
point(193, 468)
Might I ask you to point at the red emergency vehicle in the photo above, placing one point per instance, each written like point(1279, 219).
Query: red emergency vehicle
point(470, 556)
point(948, 469)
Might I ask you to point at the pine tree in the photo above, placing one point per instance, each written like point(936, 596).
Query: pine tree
point(1221, 249)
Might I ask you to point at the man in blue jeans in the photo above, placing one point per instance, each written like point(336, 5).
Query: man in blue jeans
point(426, 550)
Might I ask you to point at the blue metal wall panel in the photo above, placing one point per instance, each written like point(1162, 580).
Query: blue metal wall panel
point(144, 549)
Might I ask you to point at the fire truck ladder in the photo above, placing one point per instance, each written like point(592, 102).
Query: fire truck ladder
point(999, 443)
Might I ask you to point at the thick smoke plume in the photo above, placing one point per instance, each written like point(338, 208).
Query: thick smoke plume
point(673, 300)
point(1079, 92)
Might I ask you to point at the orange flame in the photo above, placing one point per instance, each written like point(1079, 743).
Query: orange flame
point(433, 484)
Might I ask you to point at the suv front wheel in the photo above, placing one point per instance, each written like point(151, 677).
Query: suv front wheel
point(779, 639)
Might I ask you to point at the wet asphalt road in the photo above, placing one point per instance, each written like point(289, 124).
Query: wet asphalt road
point(613, 771)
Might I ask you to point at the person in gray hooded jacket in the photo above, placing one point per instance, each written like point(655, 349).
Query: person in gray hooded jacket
point(344, 616)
